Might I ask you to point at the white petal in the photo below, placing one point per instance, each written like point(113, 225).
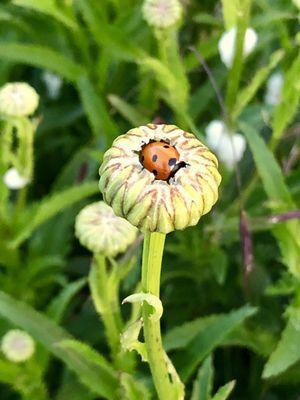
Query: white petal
point(13, 180)
point(227, 41)
point(231, 149)
point(274, 89)
point(214, 131)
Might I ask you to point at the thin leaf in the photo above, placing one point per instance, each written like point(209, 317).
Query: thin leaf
point(48, 7)
point(40, 56)
point(224, 391)
point(246, 95)
point(59, 304)
point(205, 341)
point(203, 383)
point(91, 368)
point(288, 233)
point(287, 352)
point(50, 206)
point(287, 108)
point(129, 112)
point(96, 109)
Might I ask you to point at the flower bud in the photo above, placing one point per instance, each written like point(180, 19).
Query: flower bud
point(101, 231)
point(18, 99)
point(17, 346)
point(274, 89)
point(13, 180)
point(165, 191)
point(162, 13)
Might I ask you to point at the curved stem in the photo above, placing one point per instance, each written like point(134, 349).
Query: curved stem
point(157, 358)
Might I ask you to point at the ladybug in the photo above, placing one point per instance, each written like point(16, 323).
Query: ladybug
point(161, 159)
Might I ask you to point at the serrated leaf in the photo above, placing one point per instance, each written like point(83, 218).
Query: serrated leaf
point(224, 391)
point(203, 384)
point(90, 367)
point(286, 353)
point(287, 233)
point(246, 95)
point(40, 56)
point(49, 207)
point(205, 341)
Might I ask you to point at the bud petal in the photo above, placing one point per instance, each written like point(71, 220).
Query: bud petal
point(159, 205)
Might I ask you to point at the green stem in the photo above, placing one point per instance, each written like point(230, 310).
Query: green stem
point(157, 358)
point(105, 300)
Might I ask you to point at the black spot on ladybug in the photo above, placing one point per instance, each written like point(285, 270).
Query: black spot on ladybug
point(154, 158)
point(166, 146)
point(154, 172)
point(142, 159)
point(172, 161)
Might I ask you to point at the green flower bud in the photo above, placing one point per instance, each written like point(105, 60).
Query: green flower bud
point(17, 345)
point(162, 13)
point(101, 231)
point(18, 99)
point(154, 205)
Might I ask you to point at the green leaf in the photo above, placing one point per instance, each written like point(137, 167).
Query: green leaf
point(96, 109)
point(101, 378)
point(149, 298)
point(42, 57)
point(246, 95)
point(48, 7)
point(133, 389)
point(288, 106)
point(224, 391)
point(287, 234)
point(59, 304)
point(287, 351)
point(203, 384)
point(129, 112)
point(49, 207)
point(205, 341)
point(91, 368)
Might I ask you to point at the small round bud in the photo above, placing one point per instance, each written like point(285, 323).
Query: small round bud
point(18, 99)
point(159, 192)
point(162, 13)
point(17, 346)
point(53, 84)
point(226, 45)
point(13, 180)
point(101, 231)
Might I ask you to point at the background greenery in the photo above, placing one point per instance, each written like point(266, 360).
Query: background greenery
point(245, 323)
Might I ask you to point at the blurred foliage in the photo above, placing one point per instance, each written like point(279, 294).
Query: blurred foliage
point(228, 322)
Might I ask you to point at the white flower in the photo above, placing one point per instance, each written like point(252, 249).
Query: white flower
point(274, 89)
point(162, 13)
point(230, 148)
point(18, 99)
point(13, 180)
point(226, 45)
point(53, 84)
point(17, 345)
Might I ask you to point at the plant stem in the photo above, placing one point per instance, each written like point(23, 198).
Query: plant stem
point(152, 258)
point(104, 297)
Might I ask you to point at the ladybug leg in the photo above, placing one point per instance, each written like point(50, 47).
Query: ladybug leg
point(181, 164)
